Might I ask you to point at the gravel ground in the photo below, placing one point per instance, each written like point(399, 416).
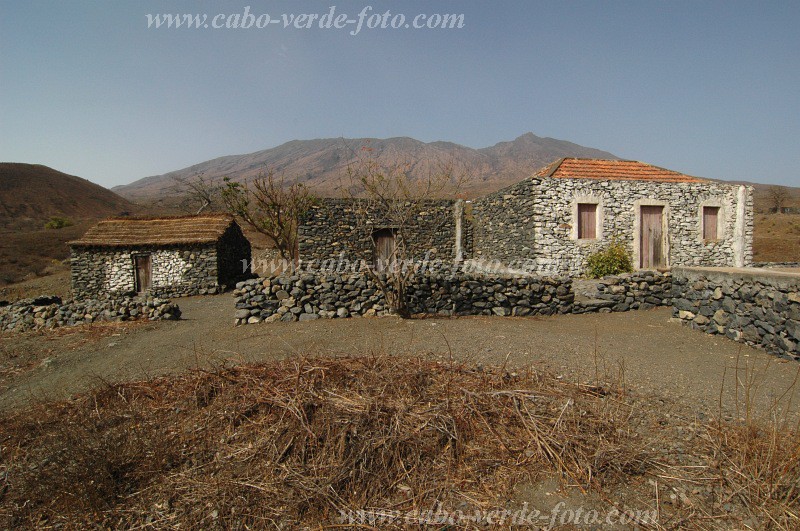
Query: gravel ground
point(652, 353)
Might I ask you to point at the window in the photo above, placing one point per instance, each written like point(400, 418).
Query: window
point(710, 222)
point(587, 221)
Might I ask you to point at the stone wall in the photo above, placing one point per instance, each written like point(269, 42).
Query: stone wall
point(307, 297)
point(641, 290)
point(176, 272)
point(336, 227)
point(757, 307)
point(51, 312)
point(533, 222)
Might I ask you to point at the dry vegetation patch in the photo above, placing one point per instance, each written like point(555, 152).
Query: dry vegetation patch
point(776, 238)
point(295, 442)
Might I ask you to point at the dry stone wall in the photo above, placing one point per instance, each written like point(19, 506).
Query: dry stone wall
point(49, 311)
point(641, 290)
point(757, 307)
point(308, 297)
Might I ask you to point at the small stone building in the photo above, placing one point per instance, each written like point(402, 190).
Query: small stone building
point(550, 223)
point(167, 256)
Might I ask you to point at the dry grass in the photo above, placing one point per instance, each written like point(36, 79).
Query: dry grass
point(28, 254)
point(295, 442)
point(776, 238)
point(290, 444)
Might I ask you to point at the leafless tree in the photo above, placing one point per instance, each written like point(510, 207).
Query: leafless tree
point(271, 207)
point(777, 196)
point(393, 201)
point(199, 193)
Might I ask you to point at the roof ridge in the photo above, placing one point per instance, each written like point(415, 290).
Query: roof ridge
point(168, 218)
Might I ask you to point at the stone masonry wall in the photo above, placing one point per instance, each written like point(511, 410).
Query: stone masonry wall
point(336, 226)
point(175, 271)
point(534, 222)
point(641, 290)
point(51, 312)
point(307, 297)
point(757, 307)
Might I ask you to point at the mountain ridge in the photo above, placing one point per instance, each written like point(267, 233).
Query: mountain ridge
point(320, 163)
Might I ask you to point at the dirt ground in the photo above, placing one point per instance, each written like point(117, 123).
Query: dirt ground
point(645, 348)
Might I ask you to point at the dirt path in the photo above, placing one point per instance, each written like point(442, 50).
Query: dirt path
point(652, 353)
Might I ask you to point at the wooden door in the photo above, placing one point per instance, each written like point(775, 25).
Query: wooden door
point(385, 249)
point(587, 221)
point(144, 272)
point(651, 238)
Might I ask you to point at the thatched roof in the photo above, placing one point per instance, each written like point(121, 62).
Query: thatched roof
point(163, 231)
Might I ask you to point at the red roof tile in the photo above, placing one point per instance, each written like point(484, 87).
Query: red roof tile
point(617, 170)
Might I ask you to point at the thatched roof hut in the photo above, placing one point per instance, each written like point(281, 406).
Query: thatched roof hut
point(156, 231)
point(167, 256)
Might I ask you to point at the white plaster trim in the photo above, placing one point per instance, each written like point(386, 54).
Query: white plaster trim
point(722, 218)
point(739, 238)
point(458, 213)
point(598, 219)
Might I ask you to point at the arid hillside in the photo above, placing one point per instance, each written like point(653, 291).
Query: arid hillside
point(30, 196)
point(322, 163)
point(31, 193)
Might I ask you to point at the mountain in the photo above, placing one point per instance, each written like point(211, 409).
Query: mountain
point(32, 193)
point(321, 163)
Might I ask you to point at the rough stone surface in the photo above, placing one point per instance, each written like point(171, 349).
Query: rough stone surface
point(338, 296)
point(336, 227)
point(759, 308)
point(629, 291)
point(350, 295)
point(52, 312)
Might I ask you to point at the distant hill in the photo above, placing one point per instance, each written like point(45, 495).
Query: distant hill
point(321, 163)
point(31, 193)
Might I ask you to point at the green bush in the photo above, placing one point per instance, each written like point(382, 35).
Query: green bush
point(611, 260)
point(57, 223)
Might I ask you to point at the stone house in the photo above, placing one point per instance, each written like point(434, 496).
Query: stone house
point(165, 256)
point(550, 223)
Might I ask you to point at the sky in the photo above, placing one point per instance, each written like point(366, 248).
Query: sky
point(707, 88)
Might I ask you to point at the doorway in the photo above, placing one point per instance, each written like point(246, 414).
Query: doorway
point(143, 268)
point(385, 249)
point(651, 238)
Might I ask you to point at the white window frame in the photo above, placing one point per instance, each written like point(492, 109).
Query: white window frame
point(721, 217)
point(598, 218)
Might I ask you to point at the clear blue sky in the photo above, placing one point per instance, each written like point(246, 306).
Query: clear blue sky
point(707, 88)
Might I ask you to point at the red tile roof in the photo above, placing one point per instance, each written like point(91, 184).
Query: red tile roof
point(617, 170)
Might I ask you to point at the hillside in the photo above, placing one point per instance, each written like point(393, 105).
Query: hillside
point(31, 193)
point(321, 163)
